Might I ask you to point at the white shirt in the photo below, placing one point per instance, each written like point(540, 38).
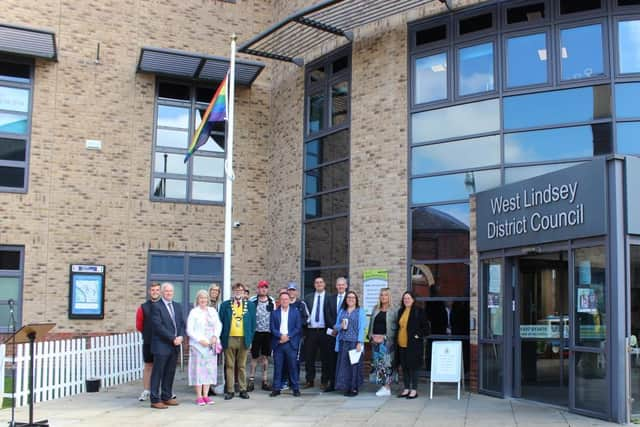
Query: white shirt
point(284, 321)
point(316, 306)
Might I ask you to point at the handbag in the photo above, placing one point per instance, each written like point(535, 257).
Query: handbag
point(218, 347)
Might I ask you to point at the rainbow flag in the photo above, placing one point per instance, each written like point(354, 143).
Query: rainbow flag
point(215, 112)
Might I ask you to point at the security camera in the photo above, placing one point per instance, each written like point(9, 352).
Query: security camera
point(236, 224)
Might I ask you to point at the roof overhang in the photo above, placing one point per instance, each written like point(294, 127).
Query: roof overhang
point(196, 66)
point(25, 41)
point(291, 38)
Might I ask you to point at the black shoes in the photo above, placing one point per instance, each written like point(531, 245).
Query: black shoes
point(274, 393)
point(308, 384)
point(244, 395)
point(296, 393)
point(409, 396)
point(228, 396)
point(351, 393)
point(266, 386)
point(251, 386)
point(329, 388)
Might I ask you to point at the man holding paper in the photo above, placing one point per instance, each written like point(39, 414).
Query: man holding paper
point(350, 324)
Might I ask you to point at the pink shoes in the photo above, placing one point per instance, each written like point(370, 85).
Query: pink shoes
point(207, 400)
point(200, 401)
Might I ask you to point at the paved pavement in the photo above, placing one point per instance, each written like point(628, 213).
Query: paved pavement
point(119, 407)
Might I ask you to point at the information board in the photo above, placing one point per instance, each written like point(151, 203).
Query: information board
point(86, 291)
point(446, 363)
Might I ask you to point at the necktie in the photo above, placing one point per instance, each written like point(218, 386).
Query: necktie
point(318, 309)
point(339, 302)
point(173, 316)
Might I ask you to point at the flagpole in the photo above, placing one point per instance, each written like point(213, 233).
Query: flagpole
point(228, 191)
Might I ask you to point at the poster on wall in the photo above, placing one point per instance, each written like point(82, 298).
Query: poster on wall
point(374, 280)
point(587, 301)
point(86, 291)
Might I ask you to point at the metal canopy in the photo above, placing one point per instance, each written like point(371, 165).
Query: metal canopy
point(290, 38)
point(189, 65)
point(28, 42)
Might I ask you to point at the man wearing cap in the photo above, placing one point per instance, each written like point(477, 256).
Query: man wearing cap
point(238, 318)
point(261, 345)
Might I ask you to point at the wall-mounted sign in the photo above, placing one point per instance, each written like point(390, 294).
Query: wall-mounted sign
point(562, 205)
point(374, 280)
point(86, 291)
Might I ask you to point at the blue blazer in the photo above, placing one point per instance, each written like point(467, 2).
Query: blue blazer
point(294, 325)
point(162, 330)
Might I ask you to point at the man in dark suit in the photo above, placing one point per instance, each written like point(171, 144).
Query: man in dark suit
point(316, 339)
point(331, 315)
point(286, 333)
point(167, 332)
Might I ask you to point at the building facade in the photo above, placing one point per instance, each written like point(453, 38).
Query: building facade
point(357, 151)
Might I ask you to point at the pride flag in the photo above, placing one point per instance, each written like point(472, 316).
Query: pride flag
point(215, 112)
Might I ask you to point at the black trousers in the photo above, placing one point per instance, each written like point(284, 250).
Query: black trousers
point(409, 375)
point(162, 374)
point(317, 340)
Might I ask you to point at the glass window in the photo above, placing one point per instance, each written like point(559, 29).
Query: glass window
point(316, 113)
point(527, 60)
point(526, 172)
point(475, 23)
point(340, 64)
point(174, 117)
point(475, 65)
point(591, 385)
point(203, 266)
point(327, 149)
point(574, 6)
point(13, 149)
point(14, 99)
point(440, 232)
point(431, 78)
point(581, 52)
point(329, 204)
point(170, 163)
point(527, 13)
point(326, 243)
point(492, 373)
point(11, 177)
point(316, 75)
point(628, 138)
point(13, 123)
point(207, 191)
point(172, 138)
point(550, 108)
point(446, 156)
point(330, 275)
point(493, 306)
point(591, 307)
point(456, 121)
point(431, 35)
point(627, 105)
point(10, 259)
point(15, 72)
point(164, 188)
point(208, 166)
point(628, 2)
point(453, 187)
point(10, 286)
point(339, 103)
point(174, 91)
point(327, 178)
point(629, 46)
point(542, 145)
point(449, 280)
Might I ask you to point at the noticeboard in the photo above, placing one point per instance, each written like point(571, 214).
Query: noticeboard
point(446, 361)
point(86, 291)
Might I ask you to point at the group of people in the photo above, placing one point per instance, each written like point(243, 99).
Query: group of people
point(283, 327)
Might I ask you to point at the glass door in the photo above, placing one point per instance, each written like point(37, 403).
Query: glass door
point(491, 337)
point(634, 343)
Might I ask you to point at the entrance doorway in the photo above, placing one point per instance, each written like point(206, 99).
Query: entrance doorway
point(541, 335)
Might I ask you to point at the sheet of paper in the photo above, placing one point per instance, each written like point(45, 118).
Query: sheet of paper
point(354, 356)
point(329, 331)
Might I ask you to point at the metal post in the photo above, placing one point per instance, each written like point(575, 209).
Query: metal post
point(228, 194)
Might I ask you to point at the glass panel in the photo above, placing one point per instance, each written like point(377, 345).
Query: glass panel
point(13, 72)
point(178, 294)
point(628, 2)
point(591, 307)
point(172, 138)
point(456, 121)
point(440, 232)
point(170, 163)
point(330, 275)
point(11, 177)
point(573, 6)
point(13, 149)
point(13, 123)
point(634, 362)
point(216, 126)
point(205, 94)
point(194, 287)
point(629, 46)
point(441, 280)
point(9, 260)
point(549, 108)
point(592, 388)
point(339, 103)
point(209, 191)
point(316, 113)
point(9, 288)
point(452, 187)
point(170, 188)
point(434, 158)
point(476, 69)
point(476, 23)
point(208, 166)
point(327, 178)
point(430, 35)
point(581, 52)
point(628, 138)
point(527, 13)
point(205, 266)
point(431, 78)
point(493, 291)
point(176, 117)
point(326, 205)
point(541, 145)
point(317, 74)
point(627, 105)
point(492, 373)
point(527, 60)
point(5, 317)
point(526, 172)
point(327, 149)
point(14, 99)
point(173, 91)
point(326, 243)
point(167, 264)
point(340, 64)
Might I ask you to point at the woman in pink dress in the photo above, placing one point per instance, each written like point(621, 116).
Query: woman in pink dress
point(203, 328)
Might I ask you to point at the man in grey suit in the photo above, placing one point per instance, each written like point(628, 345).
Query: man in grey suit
point(167, 332)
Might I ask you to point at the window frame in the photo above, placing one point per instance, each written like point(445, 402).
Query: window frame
point(546, 30)
point(480, 34)
point(26, 137)
point(189, 177)
point(20, 275)
point(591, 81)
point(616, 50)
point(449, 83)
point(544, 22)
point(476, 96)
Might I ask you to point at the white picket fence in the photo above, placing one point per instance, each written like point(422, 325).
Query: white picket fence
point(63, 366)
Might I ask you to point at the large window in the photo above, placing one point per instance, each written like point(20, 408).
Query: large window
point(326, 169)
point(11, 273)
point(200, 180)
point(15, 118)
point(188, 272)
